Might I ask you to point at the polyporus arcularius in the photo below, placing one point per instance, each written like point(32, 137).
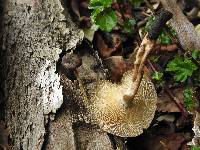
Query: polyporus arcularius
point(125, 109)
point(112, 114)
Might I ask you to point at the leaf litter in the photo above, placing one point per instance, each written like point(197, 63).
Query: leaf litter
point(121, 26)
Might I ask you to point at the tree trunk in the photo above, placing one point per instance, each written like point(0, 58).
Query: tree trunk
point(34, 34)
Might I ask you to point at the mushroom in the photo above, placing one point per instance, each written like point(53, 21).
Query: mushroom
point(111, 113)
point(127, 108)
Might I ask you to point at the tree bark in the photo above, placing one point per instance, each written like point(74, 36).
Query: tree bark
point(34, 31)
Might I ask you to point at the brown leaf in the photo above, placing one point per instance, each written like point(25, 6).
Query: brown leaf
point(104, 49)
point(167, 104)
point(117, 66)
point(80, 9)
point(84, 11)
point(173, 141)
point(127, 7)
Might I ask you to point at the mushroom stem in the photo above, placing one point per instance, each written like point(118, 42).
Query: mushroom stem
point(146, 46)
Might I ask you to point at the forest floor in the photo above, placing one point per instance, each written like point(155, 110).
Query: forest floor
point(115, 29)
point(117, 32)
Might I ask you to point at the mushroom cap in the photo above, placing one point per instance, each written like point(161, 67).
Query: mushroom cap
point(114, 117)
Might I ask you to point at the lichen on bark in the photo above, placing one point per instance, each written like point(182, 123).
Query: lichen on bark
point(33, 33)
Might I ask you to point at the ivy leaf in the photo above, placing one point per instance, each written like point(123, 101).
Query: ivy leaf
point(94, 4)
point(99, 6)
point(95, 12)
point(157, 76)
point(182, 68)
point(188, 98)
point(102, 15)
point(106, 20)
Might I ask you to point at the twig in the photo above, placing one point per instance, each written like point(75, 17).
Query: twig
point(169, 48)
point(176, 101)
point(152, 67)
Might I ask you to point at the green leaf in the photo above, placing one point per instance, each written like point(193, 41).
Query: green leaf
point(149, 23)
point(164, 38)
point(195, 54)
point(96, 12)
point(94, 4)
point(195, 148)
point(106, 20)
point(132, 21)
point(128, 26)
point(182, 68)
point(189, 98)
point(98, 7)
point(157, 76)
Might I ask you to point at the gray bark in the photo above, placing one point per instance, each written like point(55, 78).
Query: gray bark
point(31, 42)
point(186, 34)
point(33, 33)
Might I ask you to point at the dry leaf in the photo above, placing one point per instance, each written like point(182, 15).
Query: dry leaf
point(104, 49)
point(117, 66)
point(166, 103)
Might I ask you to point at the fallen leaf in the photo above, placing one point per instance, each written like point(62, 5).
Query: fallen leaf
point(117, 67)
point(82, 13)
point(166, 103)
point(105, 49)
point(174, 141)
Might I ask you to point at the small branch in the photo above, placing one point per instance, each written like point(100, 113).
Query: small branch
point(169, 48)
point(176, 101)
point(151, 65)
point(186, 33)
